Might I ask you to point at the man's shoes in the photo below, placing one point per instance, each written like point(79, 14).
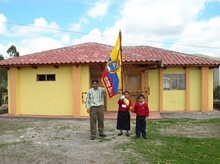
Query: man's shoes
point(92, 137)
point(144, 137)
point(102, 135)
point(120, 134)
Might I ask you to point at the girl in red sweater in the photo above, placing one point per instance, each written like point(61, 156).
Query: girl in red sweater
point(142, 112)
point(123, 118)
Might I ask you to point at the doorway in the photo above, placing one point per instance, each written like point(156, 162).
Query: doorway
point(133, 85)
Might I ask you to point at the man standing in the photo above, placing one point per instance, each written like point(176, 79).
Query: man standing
point(95, 108)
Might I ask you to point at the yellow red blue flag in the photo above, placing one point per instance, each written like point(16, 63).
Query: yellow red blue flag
point(112, 74)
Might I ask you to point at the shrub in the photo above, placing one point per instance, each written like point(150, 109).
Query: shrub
point(217, 93)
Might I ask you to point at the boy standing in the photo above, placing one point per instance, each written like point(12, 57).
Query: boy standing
point(142, 112)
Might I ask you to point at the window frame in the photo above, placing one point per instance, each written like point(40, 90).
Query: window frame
point(45, 77)
point(174, 81)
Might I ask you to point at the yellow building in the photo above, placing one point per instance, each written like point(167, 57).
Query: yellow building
point(55, 82)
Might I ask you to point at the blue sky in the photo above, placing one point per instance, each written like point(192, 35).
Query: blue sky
point(38, 25)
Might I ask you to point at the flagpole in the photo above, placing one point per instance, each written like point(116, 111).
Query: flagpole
point(122, 72)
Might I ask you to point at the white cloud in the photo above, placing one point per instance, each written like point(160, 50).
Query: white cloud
point(3, 50)
point(37, 44)
point(95, 35)
point(39, 26)
point(84, 20)
point(34, 39)
point(41, 22)
point(201, 33)
point(142, 22)
point(99, 9)
point(65, 39)
point(3, 19)
point(154, 23)
point(159, 18)
point(75, 27)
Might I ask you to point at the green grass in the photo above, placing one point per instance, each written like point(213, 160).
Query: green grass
point(164, 148)
point(2, 145)
point(64, 127)
point(103, 139)
point(6, 127)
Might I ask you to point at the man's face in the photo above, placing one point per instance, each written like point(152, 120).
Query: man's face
point(95, 85)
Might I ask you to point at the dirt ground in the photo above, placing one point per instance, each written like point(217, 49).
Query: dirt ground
point(43, 141)
point(57, 141)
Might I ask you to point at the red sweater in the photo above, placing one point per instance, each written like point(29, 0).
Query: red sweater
point(122, 106)
point(141, 109)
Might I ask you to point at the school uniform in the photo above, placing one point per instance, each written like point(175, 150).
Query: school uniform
point(123, 118)
point(142, 111)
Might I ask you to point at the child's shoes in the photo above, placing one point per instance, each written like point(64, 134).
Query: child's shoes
point(120, 134)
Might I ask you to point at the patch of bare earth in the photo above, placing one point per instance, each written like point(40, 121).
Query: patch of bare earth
point(57, 141)
point(188, 129)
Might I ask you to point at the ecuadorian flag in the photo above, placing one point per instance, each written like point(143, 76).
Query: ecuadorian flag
point(112, 74)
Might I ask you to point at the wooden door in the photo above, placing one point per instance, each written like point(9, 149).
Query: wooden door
point(133, 85)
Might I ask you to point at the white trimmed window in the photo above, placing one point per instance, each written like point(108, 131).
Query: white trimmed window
point(174, 82)
point(46, 77)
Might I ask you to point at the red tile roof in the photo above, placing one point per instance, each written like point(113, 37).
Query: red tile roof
point(99, 53)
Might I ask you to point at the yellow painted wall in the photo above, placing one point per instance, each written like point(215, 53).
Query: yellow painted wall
point(56, 98)
point(195, 89)
point(174, 100)
point(153, 82)
point(45, 97)
point(85, 85)
point(112, 103)
point(211, 83)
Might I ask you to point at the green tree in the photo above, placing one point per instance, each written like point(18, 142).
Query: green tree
point(217, 93)
point(12, 51)
point(1, 57)
point(3, 80)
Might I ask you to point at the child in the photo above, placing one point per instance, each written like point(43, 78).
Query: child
point(123, 119)
point(142, 112)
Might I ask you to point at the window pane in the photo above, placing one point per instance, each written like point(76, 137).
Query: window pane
point(166, 82)
point(51, 77)
point(182, 82)
point(174, 83)
point(166, 76)
point(41, 77)
point(173, 76)
point(181, 76)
